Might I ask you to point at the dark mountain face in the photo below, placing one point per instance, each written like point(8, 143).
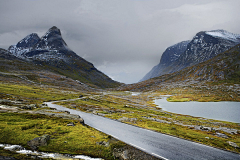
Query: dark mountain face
point(206, 45)
point(223, 68)
point(29, 41)
point(52, 40)
point(52, 52)
point(172, 53)
point(25, 45)
point(169, 56)
point(203, 46)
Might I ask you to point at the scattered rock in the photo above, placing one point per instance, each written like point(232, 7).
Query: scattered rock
point(44, 105)
point(131, 153)
point(227, 130)
point(125, 119)
point(233, 144)
point(103, 143)
point(221, 135)
point(39, 141)
point(29, 107)
point(71, 124)
point(205, 128)
point(157, 120)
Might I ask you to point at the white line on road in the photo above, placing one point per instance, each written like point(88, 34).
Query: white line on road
point(159, 156)
point(137, 147)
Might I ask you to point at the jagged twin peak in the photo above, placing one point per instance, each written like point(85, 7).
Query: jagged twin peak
point(52, 52)
point(51, 41)
point(25, 45)
point(204, 46)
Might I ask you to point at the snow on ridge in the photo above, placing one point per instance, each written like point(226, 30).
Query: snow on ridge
point(26, 39)
point(224, 34)
point(183, 43)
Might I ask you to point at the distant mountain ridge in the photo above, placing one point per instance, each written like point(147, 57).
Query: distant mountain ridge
point(169, 56)
point(204, 46)
point(221, 69)
point(51, 51)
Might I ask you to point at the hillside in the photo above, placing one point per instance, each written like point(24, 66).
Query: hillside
point(169, 56)
point(204, 46)
point(52, 53)
point(219, 76)
point(17, 71)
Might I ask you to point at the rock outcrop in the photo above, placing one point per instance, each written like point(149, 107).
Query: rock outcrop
point(39, 141)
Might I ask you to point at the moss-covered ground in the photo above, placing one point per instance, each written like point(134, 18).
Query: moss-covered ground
point(19, 128)
point(141, 111)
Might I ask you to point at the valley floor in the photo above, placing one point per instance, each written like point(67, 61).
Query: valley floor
point(135, 109)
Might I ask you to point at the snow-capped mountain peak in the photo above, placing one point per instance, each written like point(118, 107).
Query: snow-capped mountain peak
point(24, 46)
point(29, 41)
point(52, 40)
point(204, 46)
point(224, 34)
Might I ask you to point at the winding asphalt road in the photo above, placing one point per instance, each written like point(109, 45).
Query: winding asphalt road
point(157, 144)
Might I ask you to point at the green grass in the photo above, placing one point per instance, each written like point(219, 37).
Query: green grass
point(34, 94)
point(116, 102)
point(19, 128)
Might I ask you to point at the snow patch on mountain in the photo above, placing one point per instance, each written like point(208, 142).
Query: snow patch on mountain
point(224, 34)
point(18, 51)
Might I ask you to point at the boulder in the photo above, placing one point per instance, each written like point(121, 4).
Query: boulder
point(29, 107)
point(233, 144)
point(44, 105)
point(123, 119)
point(131, 153)
point(71, 124)
point(39, 141)
point(221, 135)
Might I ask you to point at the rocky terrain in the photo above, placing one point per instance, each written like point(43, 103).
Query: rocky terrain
point(169, 56)
point(52, 53)
point(38, 70)
point(223, 68)
point(204, 46)
point(19, 106)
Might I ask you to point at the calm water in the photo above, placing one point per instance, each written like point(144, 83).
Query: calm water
point(226, 111)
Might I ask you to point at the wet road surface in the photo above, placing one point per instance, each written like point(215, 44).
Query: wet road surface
point(157, 144)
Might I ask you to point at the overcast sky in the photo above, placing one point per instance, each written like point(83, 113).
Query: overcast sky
point(122, 38)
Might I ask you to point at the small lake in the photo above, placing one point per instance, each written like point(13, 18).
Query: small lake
point(226, 111)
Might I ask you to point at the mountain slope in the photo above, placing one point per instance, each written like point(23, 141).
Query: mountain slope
point(169, 56)
point(204, 46)
point(51, 52)
point(225, 67)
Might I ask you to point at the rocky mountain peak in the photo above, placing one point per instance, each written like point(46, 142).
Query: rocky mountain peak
point(29, 41)
point(204, 46)
point(52, 52)
point(169, 56)
point(52, 40)
point(224, 35)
